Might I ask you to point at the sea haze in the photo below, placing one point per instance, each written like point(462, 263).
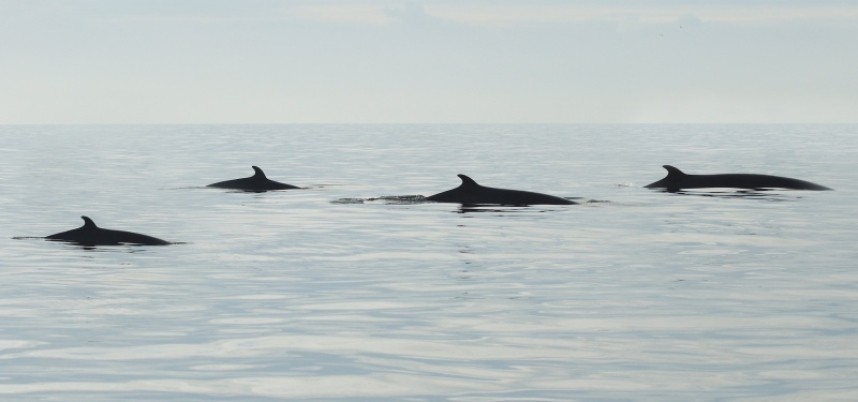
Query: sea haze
point(353, 289)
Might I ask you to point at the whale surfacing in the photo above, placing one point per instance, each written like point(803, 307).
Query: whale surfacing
point(471, 193)
point(677, 180)
point(91, 235)
point(257, 183)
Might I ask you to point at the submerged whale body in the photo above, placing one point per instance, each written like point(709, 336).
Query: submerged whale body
point(676, 180)
point(471, 193)
point(91, 235)
point(256, 183)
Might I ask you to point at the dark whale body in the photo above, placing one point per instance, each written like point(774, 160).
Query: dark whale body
point(91, 235)
point(256, 183)
point(676, 180)
point(471, 193)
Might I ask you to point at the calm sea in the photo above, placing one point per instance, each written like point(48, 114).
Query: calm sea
point(348, 291)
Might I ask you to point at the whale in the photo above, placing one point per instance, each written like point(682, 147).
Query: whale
point(91, 235)
point(472, 193)
point(677, 180)
point(257, 183)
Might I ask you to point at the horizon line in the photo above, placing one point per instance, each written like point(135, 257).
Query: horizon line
point(426, 123)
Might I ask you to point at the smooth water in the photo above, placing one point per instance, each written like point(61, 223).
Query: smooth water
point(335, 293)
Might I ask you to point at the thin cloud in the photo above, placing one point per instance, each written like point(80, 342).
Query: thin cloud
point(514, 14)
point(505, 14)
point(367, 13)
point(478, 13)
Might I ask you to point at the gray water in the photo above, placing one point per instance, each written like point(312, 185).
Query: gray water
point(331, 293)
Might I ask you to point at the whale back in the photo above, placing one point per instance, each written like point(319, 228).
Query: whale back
point(91, 235)
point(470, 192)
point(257, 183)
point(676, 180)
point(459, 193)
point(671, 182)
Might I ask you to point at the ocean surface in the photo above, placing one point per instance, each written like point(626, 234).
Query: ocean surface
point(353, 289)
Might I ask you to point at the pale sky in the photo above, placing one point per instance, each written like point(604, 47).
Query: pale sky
point(445, 61)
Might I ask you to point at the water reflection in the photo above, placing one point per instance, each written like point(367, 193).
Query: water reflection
point(770, 195)
point(86, 246)
point(302, 298)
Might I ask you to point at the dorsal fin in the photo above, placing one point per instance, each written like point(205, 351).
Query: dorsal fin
point(673, 172)
point(259, 173)
point(88, 223)
point(467, 181)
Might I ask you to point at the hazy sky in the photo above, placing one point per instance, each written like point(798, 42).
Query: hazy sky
point(462, 61)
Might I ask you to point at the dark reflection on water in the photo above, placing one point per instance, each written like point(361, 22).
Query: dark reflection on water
point(122, 248)
point(464, 209)
point(769, 195)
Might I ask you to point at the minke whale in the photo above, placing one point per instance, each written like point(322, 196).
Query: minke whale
point(676, 180)
point(257, 183)
point(471, 193)
point(91, 235)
